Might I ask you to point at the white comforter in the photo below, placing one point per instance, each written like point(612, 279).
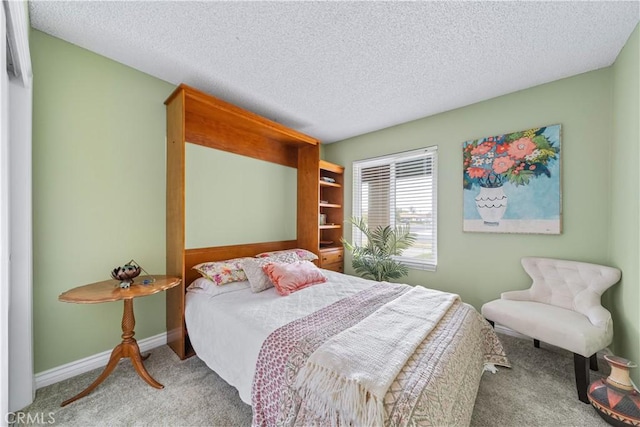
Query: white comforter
point(227, 330)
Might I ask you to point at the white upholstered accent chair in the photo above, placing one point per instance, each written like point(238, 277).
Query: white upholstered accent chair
point(562, 308)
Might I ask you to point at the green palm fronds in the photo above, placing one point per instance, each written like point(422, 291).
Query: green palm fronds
point(375, 259)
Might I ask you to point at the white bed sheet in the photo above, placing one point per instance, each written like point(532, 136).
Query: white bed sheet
point(227, 330)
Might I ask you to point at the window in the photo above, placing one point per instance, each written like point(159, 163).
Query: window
point(400, 189)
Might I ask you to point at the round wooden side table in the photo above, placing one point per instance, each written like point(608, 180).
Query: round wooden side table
point(108, 291)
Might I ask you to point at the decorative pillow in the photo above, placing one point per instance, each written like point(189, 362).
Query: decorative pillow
point(222, 272)
point(202, 285)
point(288, 278)
point(303, 254)
point(253, 269)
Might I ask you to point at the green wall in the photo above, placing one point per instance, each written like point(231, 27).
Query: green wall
point(98, 194)
point(599, 186)
point(479, 266)
point(249, 201)
point(624, 228)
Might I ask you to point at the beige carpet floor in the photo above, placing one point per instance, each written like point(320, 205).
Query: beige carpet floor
point(538, 391)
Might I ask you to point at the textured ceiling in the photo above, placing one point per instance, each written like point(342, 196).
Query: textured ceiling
point(339, 69)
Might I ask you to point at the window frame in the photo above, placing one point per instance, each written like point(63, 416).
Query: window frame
point(392, 160)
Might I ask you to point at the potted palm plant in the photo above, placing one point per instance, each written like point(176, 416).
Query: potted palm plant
point(375, 260)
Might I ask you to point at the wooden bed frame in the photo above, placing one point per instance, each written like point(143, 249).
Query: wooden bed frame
point(198, 118)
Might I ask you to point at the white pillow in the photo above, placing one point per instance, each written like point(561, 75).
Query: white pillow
point(203, 285)
point(258, 279)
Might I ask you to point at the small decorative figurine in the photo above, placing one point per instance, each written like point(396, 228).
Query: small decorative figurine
point(126, 274)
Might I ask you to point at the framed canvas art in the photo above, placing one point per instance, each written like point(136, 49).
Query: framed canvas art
point(512, 182)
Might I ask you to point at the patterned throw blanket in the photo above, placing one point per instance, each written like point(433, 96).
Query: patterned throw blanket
point(436, 385)
point(346, 378)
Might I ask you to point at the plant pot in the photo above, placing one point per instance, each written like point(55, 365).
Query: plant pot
point(491, 203)
point(614, 398)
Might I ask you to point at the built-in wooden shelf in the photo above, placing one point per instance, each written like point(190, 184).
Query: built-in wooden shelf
point(329, 226)
point(330, 233)
point(329, 184)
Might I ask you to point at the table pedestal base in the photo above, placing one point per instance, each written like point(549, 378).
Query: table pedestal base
point(127, 348)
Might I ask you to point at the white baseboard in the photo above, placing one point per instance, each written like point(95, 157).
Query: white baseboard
point(69, 370)
point(504, 330)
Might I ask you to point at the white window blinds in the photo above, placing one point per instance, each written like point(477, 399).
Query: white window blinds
point(400, 189)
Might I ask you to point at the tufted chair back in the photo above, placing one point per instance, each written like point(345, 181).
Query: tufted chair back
point(572, 285)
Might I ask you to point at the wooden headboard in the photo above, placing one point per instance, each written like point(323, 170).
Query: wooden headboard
point(198, 118)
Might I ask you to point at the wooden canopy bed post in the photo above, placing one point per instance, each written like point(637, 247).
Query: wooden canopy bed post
point(198, 118)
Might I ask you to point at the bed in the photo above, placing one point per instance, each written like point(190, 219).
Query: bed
point(275, 349)
point(258, 343)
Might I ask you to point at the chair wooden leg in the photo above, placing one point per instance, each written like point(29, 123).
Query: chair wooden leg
point(536, 343)
point(582, 376)
point(593, 362)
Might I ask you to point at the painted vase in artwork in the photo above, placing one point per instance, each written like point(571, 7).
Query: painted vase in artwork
point(492, 204)
point(614, 398)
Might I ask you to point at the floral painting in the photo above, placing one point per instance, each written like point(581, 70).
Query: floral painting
point(512, 182)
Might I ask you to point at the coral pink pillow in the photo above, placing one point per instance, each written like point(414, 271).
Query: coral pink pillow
point(288, 278)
